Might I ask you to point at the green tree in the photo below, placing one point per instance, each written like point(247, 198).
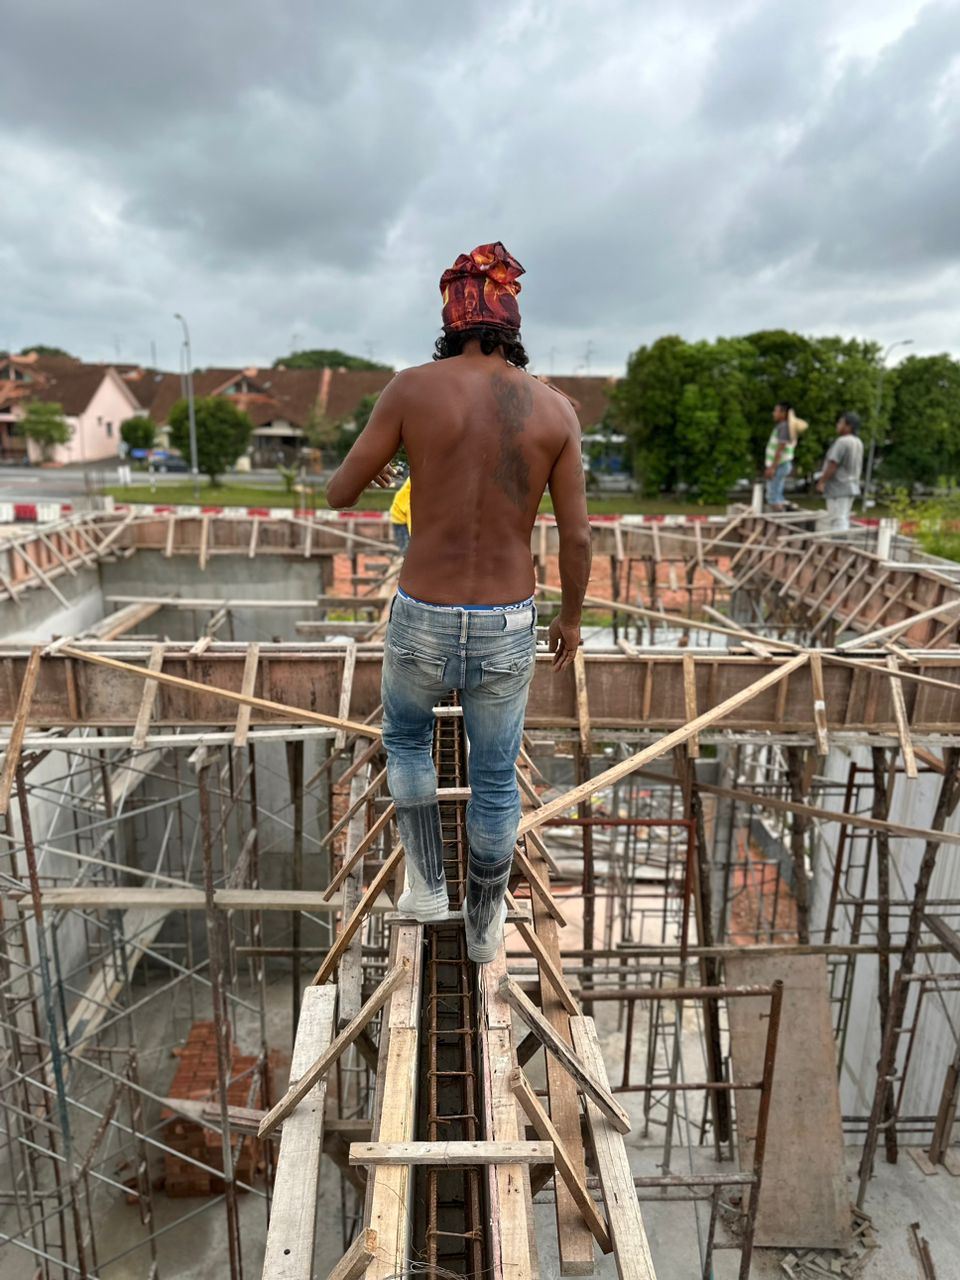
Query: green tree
point(326, 359)
point(320, 431)
point(821, 378)
point(223, 432)
point(645, 405)
point(44, 424)
point(42, 349)
point(361, 415)
point(713, 436)
point(924, 438)
point(138, 433)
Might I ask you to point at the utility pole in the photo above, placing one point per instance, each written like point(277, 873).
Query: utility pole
point(588, 356)
point(865, 501)
point(191, 414)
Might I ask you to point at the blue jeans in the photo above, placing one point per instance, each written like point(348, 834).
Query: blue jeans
point(488, 655)
point(775, 496)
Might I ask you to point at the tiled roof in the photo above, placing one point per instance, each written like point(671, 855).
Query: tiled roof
point(589, 396)
point(166, 393)
point(74, 389)
point(288, 394)
point(349, 386)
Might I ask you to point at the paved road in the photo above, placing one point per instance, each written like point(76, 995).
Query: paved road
point(66, 484)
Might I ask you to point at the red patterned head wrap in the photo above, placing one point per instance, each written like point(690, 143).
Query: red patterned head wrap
point(481, 289)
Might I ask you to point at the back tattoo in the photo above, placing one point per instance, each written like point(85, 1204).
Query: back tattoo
point(512, 473)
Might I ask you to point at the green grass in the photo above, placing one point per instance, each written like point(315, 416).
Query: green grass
point(180, 493)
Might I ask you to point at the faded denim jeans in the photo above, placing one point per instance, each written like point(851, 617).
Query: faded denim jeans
point(488, 655)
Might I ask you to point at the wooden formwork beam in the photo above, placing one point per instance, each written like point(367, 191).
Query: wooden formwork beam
point(291, 1234)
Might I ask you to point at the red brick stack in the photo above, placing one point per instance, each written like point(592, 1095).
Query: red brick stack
point(196, 1079)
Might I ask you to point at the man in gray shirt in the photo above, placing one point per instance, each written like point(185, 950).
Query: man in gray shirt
point(840, 479)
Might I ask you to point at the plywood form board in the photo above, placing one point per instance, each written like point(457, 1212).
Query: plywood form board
point(293, 1217)
point(512, 1243)
point(307, 677)
point(804, 1198)
point(575, 1241)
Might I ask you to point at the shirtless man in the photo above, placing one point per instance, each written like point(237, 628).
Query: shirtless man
point(484, 441)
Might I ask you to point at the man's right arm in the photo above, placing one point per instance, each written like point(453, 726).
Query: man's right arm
point(573, 528)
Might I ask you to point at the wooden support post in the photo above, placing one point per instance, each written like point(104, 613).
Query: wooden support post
point(583, 705)
point(630, 1247)
point(149, 697)
point(574, 1241)
point(900, 715)
point(574, 1183)
point(346, 692)
point(247, 686)
point(882, 788)
point(355, 805)
point(353, 1264)
point(352, 858)
point(320, 1066)
point(11, 758)
point(204, 542)
point(564, 1054)
point(538, 889)
point(800, 824)
point(364, 906)
point(690, 700)
point(512, 1242)
point(293, 1216)
point(389, 1188)
point(819, 704)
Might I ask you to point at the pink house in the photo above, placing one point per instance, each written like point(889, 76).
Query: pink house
point(95, 400)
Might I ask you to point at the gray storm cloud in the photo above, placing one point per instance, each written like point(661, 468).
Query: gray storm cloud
point(302, 169)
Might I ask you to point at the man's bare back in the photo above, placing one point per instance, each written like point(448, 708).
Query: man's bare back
point(484, 440)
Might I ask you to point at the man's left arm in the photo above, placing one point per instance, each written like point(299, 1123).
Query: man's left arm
point(368, 461)
point(830, 466)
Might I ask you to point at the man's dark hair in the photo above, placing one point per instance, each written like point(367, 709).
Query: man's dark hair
point(452, 341)
point(852, 420)
point(785, 405)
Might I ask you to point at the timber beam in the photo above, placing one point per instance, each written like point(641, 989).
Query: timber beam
point(649, 689)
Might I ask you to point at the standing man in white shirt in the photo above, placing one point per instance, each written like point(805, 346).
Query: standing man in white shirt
point(840, 479)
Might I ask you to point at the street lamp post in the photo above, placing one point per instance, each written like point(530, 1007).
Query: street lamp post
point(871, 452)
point(191, 413)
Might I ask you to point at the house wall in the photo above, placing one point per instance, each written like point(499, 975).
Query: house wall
point(96, 431)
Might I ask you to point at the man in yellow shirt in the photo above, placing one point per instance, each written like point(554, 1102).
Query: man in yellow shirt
point(400, 515)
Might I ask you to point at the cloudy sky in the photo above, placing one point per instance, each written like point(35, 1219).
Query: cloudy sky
point(293, 171)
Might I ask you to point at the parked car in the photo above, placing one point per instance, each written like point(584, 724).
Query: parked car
point(168, 462)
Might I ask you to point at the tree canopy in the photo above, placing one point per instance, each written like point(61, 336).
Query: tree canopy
point(320, 358)
point(924, 437)
point(137, 433)
point(699, 413)
point(223, 432)
point(43, 350)
point(43, 423)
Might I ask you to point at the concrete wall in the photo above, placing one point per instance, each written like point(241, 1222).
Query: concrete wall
point(263, 578)
point(37, 616)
